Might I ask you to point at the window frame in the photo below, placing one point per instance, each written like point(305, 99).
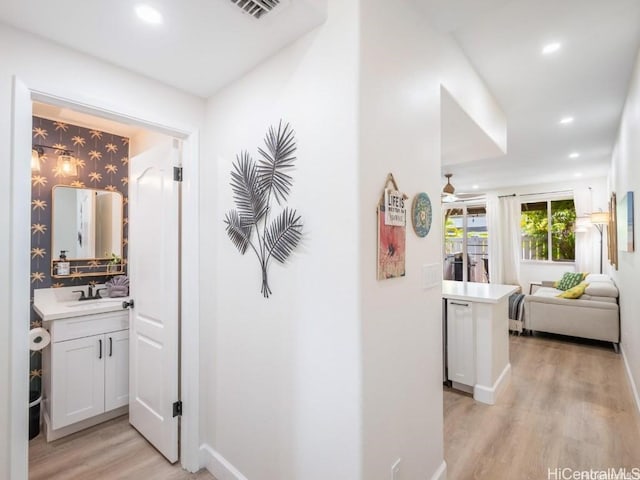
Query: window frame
point(549, 259)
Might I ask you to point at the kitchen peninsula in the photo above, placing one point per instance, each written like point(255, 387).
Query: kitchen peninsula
point(476, 337)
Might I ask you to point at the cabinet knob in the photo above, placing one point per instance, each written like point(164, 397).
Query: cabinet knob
point(127, 304)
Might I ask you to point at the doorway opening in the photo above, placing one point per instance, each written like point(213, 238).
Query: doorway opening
point(83, 212)
point(22, 251)
point(466, 243)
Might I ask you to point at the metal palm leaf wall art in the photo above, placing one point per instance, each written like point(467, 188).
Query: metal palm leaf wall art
point(254, 186)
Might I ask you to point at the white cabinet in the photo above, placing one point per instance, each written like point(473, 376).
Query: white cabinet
point(86, 368)
point(116, 370)
point(77, 381)
point(461, 341)
point(478, 337)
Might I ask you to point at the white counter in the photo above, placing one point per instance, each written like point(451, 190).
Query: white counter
point(476, 292)
point(57, 303)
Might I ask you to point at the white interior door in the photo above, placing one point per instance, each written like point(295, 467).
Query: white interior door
point(154, 279)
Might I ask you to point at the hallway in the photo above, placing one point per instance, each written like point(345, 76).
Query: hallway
point(568, 405)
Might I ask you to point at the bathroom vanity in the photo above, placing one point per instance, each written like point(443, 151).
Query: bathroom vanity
point(86, 366)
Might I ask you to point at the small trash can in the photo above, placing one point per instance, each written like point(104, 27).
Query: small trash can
point(35, 399)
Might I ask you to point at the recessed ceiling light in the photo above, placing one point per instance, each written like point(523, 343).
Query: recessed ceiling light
point(566, 120)
point(551, 48)
point(577, 174)
point(148, 14)
point(574, 155)
point(476, 187)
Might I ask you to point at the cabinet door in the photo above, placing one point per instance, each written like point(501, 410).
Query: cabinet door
point(116, 371)
point(77, 380)
point(461, 342)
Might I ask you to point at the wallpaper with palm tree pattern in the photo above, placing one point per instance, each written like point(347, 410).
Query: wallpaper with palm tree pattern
point(103, 162)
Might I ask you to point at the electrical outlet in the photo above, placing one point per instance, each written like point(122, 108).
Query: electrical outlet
point(395, 470)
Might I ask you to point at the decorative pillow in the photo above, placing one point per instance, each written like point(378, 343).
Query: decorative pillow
point(575, 292)
point(597, 277)
point(569, 280)
point(603, 289)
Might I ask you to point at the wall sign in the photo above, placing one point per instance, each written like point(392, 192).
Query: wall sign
point(395, 212)
point(391, 233)
point(421, 214)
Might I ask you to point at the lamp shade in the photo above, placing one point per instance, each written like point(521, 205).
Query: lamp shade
point(67, 165)
point(35, 160)
point(599, 218)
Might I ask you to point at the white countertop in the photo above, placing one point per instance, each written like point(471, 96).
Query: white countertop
point(57, 303)
point(476, 292)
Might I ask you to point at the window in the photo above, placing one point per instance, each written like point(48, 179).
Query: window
point(547, 223)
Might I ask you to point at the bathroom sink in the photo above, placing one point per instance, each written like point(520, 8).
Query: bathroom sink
point(103, 302)
point(57, 303)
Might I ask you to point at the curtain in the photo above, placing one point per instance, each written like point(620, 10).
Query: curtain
point(503, 224)
point(586, 235)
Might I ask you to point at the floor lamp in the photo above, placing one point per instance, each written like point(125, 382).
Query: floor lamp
point(599, 220)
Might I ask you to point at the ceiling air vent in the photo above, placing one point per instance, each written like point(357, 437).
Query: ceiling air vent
point(256, 8)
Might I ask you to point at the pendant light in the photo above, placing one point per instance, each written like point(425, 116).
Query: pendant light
point(448, 188)
point(35, 159)
point(67, 165)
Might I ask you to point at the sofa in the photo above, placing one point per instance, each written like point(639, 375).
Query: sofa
point(595, 315)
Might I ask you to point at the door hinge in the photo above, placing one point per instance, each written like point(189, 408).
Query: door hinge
point(177, 408)
point(177, 174)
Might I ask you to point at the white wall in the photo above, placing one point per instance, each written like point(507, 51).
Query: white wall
point(625, 177)
point(49, 68)
point(404, 63)
point(285, 372)
point(282, 375)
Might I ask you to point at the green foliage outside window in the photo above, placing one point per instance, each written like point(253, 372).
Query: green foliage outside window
point(535, 230)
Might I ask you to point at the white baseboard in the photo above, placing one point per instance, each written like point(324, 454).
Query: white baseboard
point(632, 382)
point(52, 435)
point(441, 472)
point(488, 395)
point(217, 465)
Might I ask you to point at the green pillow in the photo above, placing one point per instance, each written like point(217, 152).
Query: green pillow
point(575, 292)
point(569, 280)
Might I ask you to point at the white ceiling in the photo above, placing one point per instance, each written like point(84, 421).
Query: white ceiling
point(587, 79)
point(201, 46)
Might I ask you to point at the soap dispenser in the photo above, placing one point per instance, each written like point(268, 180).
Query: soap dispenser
point(64, 267)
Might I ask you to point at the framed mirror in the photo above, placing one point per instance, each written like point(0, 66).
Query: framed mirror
point(87, 223)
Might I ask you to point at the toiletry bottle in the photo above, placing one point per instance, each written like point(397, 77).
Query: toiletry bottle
point(64, 267)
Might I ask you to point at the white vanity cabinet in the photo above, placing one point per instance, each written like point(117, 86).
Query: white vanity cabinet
point(86, 371)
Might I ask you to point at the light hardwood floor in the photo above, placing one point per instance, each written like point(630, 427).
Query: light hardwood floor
point(110, 451)
point(568, 405)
